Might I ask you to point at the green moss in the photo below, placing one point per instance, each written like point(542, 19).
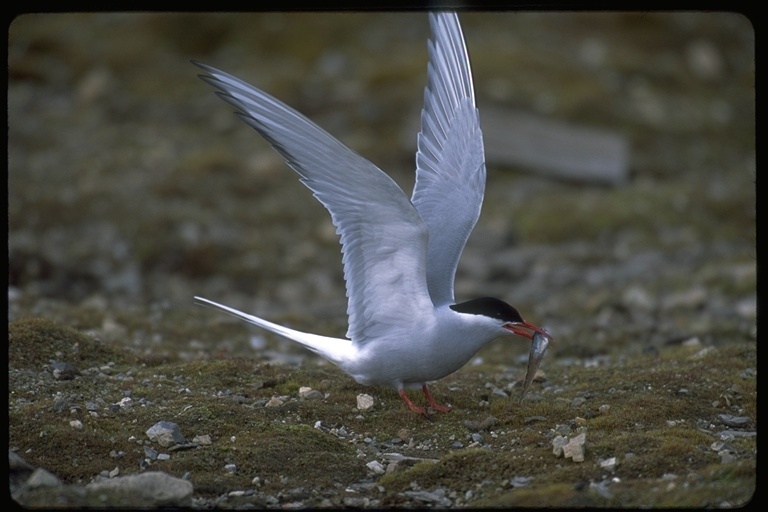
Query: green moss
point(33, 342)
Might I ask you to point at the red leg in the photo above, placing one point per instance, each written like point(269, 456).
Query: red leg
point(436, 406)
point(414, 408)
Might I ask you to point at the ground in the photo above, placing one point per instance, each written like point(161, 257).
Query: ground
point(132, 188)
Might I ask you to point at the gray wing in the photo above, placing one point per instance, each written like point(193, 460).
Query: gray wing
point(450, 161)
point(383, 238)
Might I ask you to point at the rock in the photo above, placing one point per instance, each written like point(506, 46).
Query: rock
point(63, 371)
point(364, 402)
point(275, 401)
point(311, 394)
point(488, 423)
point(574, 449)
point(376, 467)
point(570, 448)
point(202, 440)
point(733, 421)
point(437, 497)
point(166, 433)
point(42, 478)
point(151, 489)
point(557, 445)
point(520, 481)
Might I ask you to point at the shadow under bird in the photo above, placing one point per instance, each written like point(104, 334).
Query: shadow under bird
point(399, 255)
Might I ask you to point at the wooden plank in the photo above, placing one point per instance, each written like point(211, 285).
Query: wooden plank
point(554, 148)
point(549, 147)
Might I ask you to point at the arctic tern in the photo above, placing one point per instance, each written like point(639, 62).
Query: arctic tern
point(399, 255)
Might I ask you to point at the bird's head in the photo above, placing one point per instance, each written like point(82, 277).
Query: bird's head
point(507, 317)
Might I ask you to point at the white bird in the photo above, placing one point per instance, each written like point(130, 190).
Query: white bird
point(399, 255)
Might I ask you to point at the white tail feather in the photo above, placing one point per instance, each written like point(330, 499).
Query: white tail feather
point(337, 350)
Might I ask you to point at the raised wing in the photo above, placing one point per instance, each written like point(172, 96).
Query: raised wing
point(450, 161)
point(384, 241)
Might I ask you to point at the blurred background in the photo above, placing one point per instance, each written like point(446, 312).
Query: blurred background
point(133, 188)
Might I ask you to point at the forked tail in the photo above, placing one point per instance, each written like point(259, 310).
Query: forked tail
point(337, 350)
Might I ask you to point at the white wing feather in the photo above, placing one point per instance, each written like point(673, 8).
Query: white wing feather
point(450, 162)
point(384, 240)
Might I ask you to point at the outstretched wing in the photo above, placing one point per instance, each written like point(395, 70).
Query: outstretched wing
point(450, 161)
point(384, 241)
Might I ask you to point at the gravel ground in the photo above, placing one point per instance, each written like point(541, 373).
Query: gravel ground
point(132, 188)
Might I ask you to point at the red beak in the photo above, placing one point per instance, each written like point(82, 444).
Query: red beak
point(519, 328)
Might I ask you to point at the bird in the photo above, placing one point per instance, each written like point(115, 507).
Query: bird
point(399, 254)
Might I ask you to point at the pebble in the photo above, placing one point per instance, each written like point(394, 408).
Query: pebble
point(520, 481)
point(275, 401)
point(150, 489)
point(42, 478)
point(376, 467)
point(364, 402)
point(308, 393)
point(63, 371)
point(76, 424)
point(166, 433)
point(437, 497)
point(150, 453)
point(570, 448)
point(488, 423)
point(579, 400)
point(733, 421)
point(574, 449)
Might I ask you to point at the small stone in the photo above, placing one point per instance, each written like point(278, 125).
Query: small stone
point(488, 423)
point(147, 490)
point(63, 371)
point(579, 400)
point(364, 402)
point(230, 468)
point(574, 449)
point(557, 445)
point(163, 456)
point(726, 456)
point(150, 453)
point(733, 421)
point(520, 481)
point(42, 478)
point(499, 392)
point(76, 424)
point(609, 464)
point(203, 440)
point(114, 472)
point(376, 467)
point(313, 394)
point(165, 433)
point(275, 401)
